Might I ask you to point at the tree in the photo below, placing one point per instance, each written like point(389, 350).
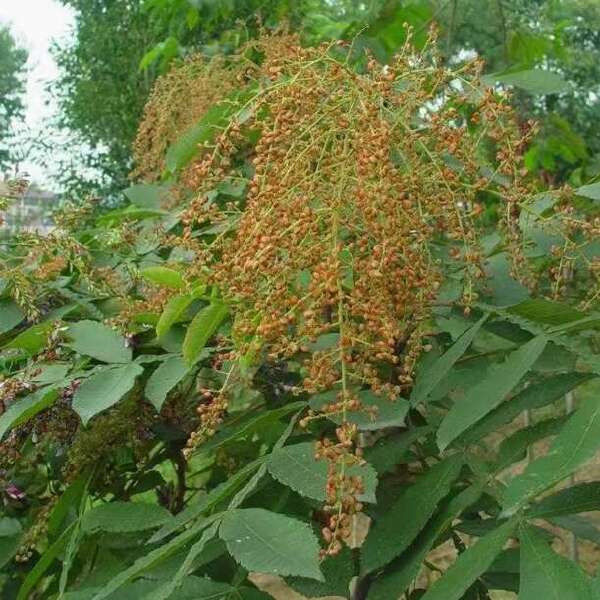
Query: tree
point(558, 36)
point(12, 88)
point(336, 299)
point(100, 90)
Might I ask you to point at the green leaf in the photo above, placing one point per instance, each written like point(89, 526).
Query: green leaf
point(74, 541)
point(163, 276)
point(394, 531)
point(252, 484)
point(8, 549)
point(338, 572)
point(50, 373)
point(10, 539)
point(67, 504)
point(578, 442)
point(164, 379)
point(547, 576)
point(44, 563)
point(33, 339)
point(402, 571)
point(589, 322)
point(255, 470)
point(9, 527)
point(296, 467)
point(202, 328)
point(207, 502)
point(583, 497)
point(389, 451)
point(505, 289)
point(172, 312)
point(596, 588)
point(514, 447)
point(470, 565)
point(104, 389)
point(99, 341)
point(146, 195)
point(326, 341)
point(533, 81)
point(192, 588)
point(428, 380)
point(153, 558)
point(22, 410)
point(248, 425)
point(581, 527)
point(540, 310)
point(124, 517)
point(267, 542)
point(591, 190)
point(196, 550)
point(10, 315)
point(535, 395)
point(489, 393)
point(130, 213)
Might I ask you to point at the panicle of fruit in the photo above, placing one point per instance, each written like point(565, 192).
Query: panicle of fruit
point(334, 254)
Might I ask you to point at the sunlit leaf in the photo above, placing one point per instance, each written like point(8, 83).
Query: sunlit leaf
point(203, 326)
point(172, 312)
point(98, 341)
point(164, 379)
point(164, 277)
point(545, 574)
point(268, 542)
point(489, 393)
point(104, 389)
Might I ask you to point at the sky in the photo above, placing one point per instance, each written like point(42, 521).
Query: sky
point(35, 24)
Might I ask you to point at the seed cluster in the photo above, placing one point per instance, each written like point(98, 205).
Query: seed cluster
point(178, 100)
point(211, 411)
point(571, 268)
point(342, 490)
point(355, 178)
point(332, 254)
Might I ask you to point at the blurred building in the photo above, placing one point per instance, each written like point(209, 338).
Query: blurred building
point(30, 212)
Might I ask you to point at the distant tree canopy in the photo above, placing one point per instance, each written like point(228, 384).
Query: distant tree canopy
point(101, 91)
point(549, 50)
point(12, 87)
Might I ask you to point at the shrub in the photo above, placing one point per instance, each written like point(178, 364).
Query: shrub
point(336, 291)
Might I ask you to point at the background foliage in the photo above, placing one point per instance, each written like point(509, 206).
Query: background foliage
point(12, 87)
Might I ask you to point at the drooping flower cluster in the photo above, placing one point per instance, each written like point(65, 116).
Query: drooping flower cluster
point(331, 255)
point(342, 490)
point(178, 100)
point(325, 212)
